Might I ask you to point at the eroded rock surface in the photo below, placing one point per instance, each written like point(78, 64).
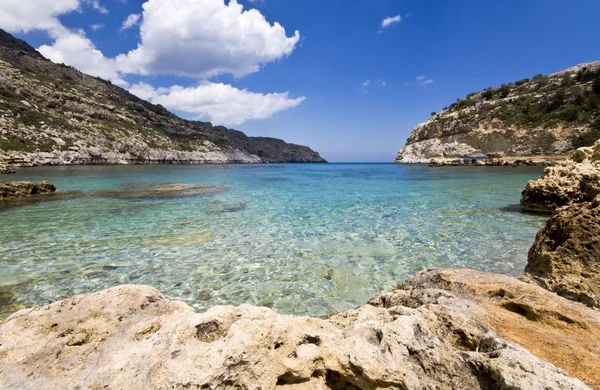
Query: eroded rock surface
point(24, 189)
point(565, 257)
point(429, 333)
point(537, 117)
point(576, 180)
point(5, 169)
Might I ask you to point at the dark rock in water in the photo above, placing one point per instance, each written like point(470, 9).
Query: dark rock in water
point(215, 208)
point(23, 189)
point(5, 169)
point(565, 257)
point(162, 191)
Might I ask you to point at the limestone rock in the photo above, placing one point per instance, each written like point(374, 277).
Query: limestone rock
point(513, 119)
point(6, 169)
point(576, 180)
point(23, 189)
point(68, 118)
point(562, 184)
point(565, 257)
point(420, 336)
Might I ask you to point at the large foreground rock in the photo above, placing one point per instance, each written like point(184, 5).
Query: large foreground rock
point(435, 331)
point(565, 257)
point(576, 180)
point(24, 189)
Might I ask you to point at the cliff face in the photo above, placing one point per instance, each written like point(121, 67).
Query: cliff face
point(54, 114)
point(547, 115)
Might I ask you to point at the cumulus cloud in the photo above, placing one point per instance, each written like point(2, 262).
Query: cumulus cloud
point(198, 38)
point(27, 15)
point(204, 38)
point(390, 20)
point(220, 103)
point(424, 80)
point(75, 49)
point(131, 21)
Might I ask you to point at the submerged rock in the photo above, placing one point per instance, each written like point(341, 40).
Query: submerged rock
point(162, 191)
point(6, 169)
point(183, 239)
point(216, 208)
point(565, 257)
point(23, 189)
point(434, 331)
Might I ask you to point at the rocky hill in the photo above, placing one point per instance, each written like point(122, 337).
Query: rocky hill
point(546, 115)
point(53, 114)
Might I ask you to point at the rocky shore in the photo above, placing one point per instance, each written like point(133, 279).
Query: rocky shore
point(24, 189)
point(441, 329)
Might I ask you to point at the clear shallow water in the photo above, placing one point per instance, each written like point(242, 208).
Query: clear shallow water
point(304, 239)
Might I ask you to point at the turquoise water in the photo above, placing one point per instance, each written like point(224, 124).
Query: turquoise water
point(304, 239)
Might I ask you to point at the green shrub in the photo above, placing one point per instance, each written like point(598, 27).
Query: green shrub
point(588, 138)
point(488, 94)
point(596, 86)
point(521, 82)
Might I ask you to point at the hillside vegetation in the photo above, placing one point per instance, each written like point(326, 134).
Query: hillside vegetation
point(53, 114)
point(544, 115)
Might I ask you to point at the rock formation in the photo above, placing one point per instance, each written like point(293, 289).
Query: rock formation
point(440, 329)
point(6, 169)
point(575, 180)
point(24, 189)
point(547, 115)
point(565, 257)
point(53, 114)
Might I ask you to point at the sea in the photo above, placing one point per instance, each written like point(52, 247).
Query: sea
point(303, 239)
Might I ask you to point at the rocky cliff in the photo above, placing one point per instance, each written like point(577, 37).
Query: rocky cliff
point(545, 115)
point(54, 114)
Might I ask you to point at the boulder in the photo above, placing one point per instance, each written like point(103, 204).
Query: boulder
point(434, 331)
point(24, 189)
point(565, 257)
point(563, 184)
point(6, 169)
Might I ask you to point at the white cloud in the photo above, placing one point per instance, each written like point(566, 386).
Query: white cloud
point(27, 15)
point(423, 80)
point(199, 38)
point(221, 103)
point(379, 83)
point(131, 21)
point(97, 27)
point(390, 20)
point(75, 49)
point(204, 38)
point(97, 6)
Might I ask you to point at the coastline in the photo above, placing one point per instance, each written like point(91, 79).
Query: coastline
point(447, 328)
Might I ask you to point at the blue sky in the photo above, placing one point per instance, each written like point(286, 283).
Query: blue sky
point(438, 51)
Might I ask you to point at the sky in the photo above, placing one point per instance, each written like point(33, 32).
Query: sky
point(349, 78)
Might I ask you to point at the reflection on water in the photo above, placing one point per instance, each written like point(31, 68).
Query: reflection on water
point(303, 239)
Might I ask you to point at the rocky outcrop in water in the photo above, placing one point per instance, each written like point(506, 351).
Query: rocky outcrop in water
point(52, 114)
point(24, 189)
point(576, 180)
point(565, 257)
point(440, 329)
point(547, 115)
point(5, 169)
